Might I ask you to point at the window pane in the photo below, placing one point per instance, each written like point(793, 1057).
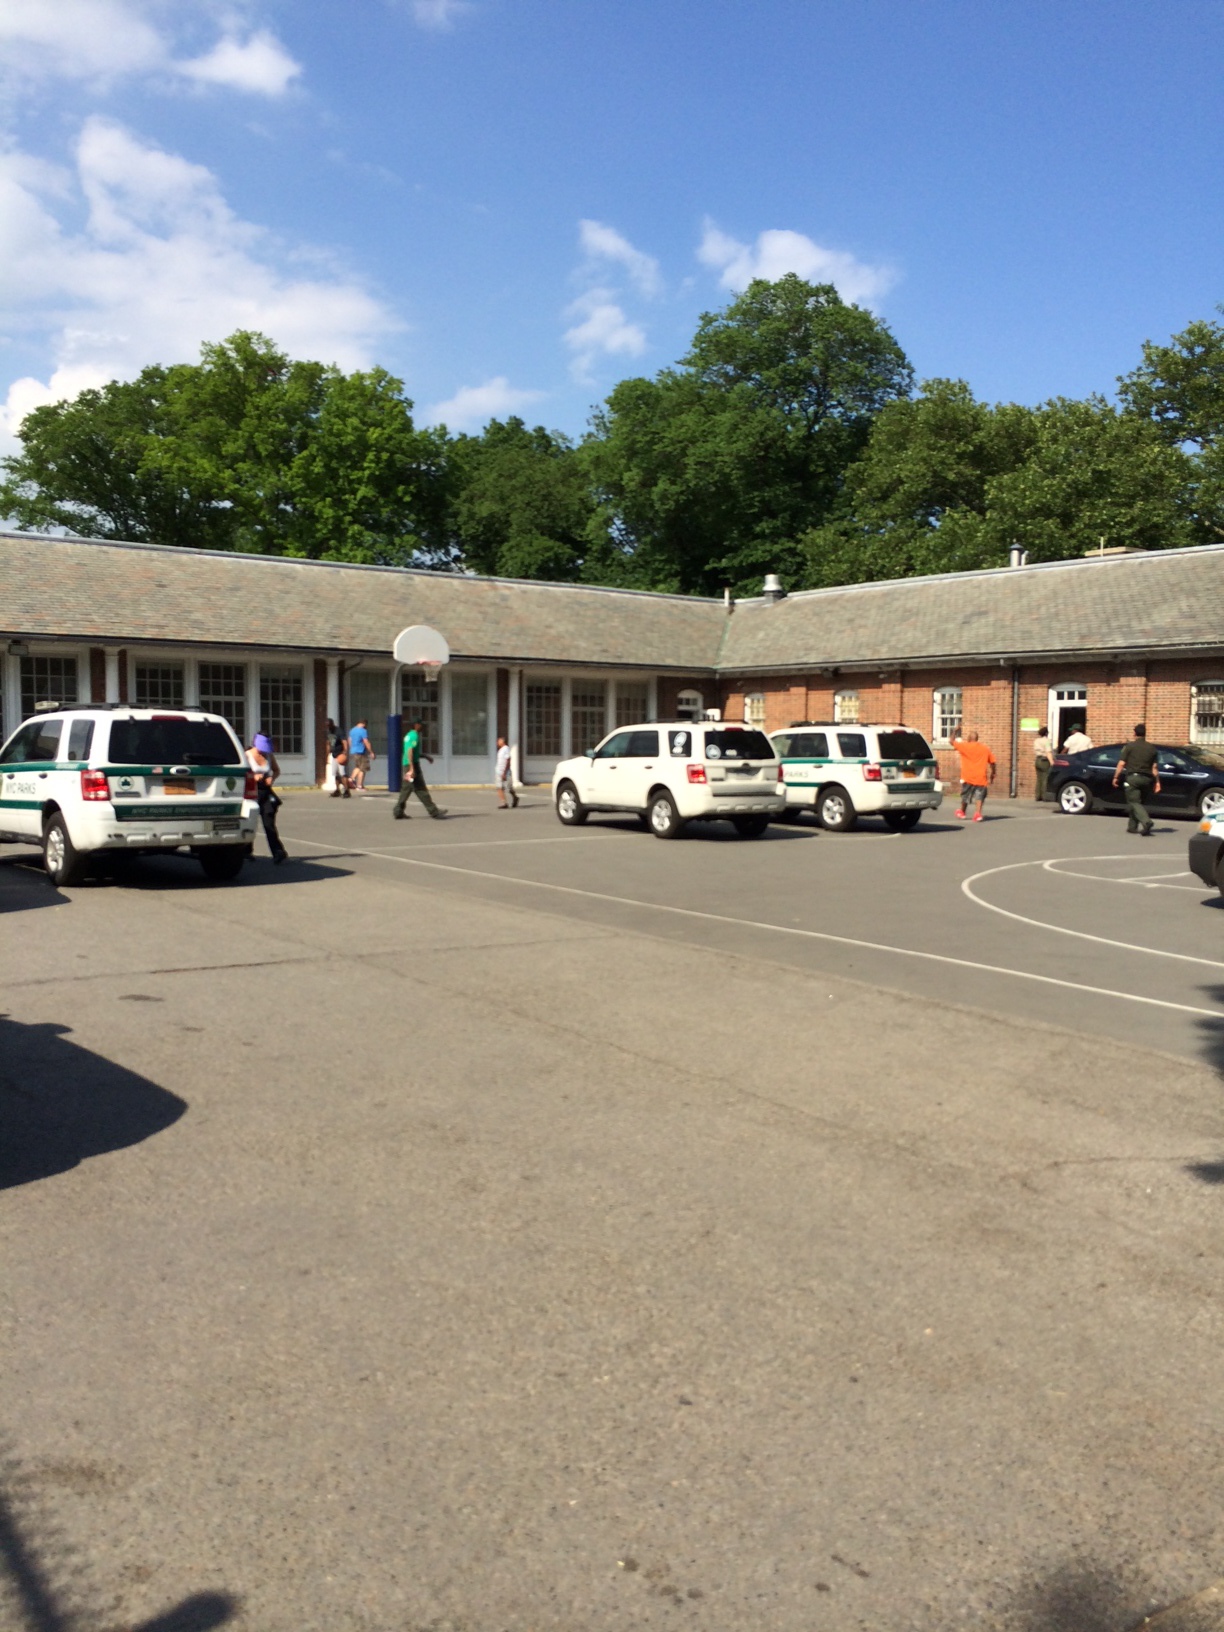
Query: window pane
point(690, 705)
point(159, 685)
point(616, 747)
point(280, 708)
point(470, 714)
point(369, 695)
point(80, 739)
point(419, 701)
point(223, 691)
point(544, 720)
point(1207, 721)
point(632, 702)
point(754, 709)
point(171, 742)
point(903, 745)
point(588, 716)
point(846, 708)
point(47, 680)
point(852, 745)
point(680, 743)
point(643, 745)
point(738, 745)
point(949, 713)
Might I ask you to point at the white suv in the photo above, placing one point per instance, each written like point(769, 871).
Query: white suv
point(88, 781)
point(842, 772)
point(673, 772)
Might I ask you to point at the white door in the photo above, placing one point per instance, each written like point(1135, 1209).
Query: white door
point(606, 778)
point(639, 767)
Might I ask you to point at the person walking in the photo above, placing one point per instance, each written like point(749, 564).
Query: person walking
point(1136, 770)
point(361, 755)
point(265, 769)
point(1078, 741)
point(1041, 760)
point(977, 768)
point(503, 771)
point(414, 776)
point(336, 780)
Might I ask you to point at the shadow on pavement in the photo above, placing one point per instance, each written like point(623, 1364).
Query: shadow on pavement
point(60, 1103)
point(24, 884)
point(1083, 1597)
point(184, 873)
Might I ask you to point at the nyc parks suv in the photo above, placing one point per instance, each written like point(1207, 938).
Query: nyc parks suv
point(672, 772)
point(90, 781)
point(842, 772)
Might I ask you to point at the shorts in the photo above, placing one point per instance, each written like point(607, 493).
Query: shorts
point(971, 791)
point(361, 762)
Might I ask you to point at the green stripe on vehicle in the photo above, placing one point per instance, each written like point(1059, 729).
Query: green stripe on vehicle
point(164, 811)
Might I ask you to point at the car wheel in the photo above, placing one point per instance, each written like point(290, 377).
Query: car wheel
point(570, 809)
point(835, 810)
point(902, 821)
point(750, 827)
point(1074, 799)
point(223, 864)
point(1211, 802)
point(665, 820)
point(64, 865)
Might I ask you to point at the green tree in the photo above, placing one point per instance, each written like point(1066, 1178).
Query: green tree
point(1179, 388)
point(522, 506)
point(246, 450)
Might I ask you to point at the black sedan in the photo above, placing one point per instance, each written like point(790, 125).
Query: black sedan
point(1191, 782)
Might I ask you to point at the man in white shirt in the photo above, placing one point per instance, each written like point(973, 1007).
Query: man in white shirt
point(504, 774)
point(1078, 742)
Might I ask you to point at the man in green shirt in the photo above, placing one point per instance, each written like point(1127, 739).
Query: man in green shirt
point(1136, 770)
point(414, 776)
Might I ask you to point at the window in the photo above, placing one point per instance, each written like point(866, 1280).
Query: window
point(845, 707)
point(949, 715)
point(47, 680)
point(754, 709)
point(1207, 713)
point(369, 698)
point(903, 745)
point(419, 701)
point(171, 742)
point(544, 720)
point(616, 747)
point(632, 702)
point(680, 743)
point(470, 714)
point(80, 739)
point(280, 708)
point(588, 716)
point(159, 685)
point(853, 744)
point(738, 745)
point(690, 705)
point(223, 691)
point(643, 745)
point(35, 744)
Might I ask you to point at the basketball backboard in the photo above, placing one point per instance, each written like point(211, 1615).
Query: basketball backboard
point(420, 645)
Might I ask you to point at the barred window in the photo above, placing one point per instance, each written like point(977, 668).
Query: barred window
point(845, 707)
point(588, 716)
point(159, 685)
point(632, 702)
point(280, 708)
point(1207, 713)
point(544, 720)
point(948, 717)
point(47, 680)
point(690, 705)
point(470, 714)
point(754, 709)
point(419, 701)
point(223, 691)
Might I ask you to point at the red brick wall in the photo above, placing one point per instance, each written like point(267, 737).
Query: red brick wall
point(668, 689)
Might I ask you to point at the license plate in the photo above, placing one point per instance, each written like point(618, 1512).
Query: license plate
point(225, 824)
point(179, 785)
point(909, 775)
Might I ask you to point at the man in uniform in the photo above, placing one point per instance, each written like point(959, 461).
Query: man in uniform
point(414, 776)
point(1136, 770)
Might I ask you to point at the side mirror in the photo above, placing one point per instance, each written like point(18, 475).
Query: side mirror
point(590, 753)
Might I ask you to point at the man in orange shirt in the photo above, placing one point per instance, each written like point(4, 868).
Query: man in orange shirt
point(978, 767)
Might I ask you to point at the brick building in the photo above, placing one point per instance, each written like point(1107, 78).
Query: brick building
point(281, 645)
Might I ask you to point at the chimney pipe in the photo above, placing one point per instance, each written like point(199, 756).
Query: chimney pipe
point(1017, 556)
point(773, 590)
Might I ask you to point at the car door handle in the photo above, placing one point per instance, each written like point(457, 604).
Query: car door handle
point(42, 776)
point(648, 767)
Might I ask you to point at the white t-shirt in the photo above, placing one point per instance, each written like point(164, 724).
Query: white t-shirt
point(1077, 743)
point(504, 756)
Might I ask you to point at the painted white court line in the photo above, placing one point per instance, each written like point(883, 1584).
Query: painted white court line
point(1060, 929)
point(777, 929)
point(1152, 881)
point(488, 844)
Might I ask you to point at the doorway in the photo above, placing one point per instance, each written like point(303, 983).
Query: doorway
point(1068, 712)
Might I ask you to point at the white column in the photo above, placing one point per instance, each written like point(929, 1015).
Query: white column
point(567, 723)
point(112, 676)
point(254, 721)
point(652, 697)
point(191, 682)
point(610, 706)
point(10, 674)
point(513, 723)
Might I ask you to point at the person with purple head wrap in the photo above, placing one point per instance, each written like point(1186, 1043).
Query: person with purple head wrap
point(265, 769)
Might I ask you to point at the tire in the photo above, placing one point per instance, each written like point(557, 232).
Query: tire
point(1074, 799)
point(750, 827)
point(571, 812)
point(835, 810)
point(1211, 802)
point(61, 859)
point(664, 818)
point(223, 864)
point(902, 821)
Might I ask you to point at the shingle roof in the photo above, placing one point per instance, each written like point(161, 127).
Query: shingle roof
point(1163, 600)
point(141, 592)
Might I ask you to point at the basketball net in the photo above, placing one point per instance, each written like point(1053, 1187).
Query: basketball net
point(429, 672)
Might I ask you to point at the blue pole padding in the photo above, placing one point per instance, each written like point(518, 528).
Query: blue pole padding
point(395, 752)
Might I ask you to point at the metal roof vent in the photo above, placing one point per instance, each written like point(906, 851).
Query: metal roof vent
point(773, 590)
point(1017, 556)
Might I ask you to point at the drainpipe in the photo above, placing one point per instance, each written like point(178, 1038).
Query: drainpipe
point(1015, 734)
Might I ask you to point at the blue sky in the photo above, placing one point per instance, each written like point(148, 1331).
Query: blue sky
point(512, 204)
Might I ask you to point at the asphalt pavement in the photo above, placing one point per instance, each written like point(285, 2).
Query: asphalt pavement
point(479, 1226)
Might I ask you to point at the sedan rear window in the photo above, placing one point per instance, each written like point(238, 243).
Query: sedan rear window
point(738, 745)
point(171, 742)
point(904, 745)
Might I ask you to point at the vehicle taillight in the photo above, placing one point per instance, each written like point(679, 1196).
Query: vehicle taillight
point(779, 770)
point(250, 789)
point(696, 773)
point(872, 773)
point(1058, 761)
point(94, 785)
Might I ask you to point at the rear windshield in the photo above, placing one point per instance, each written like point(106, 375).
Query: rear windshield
point(738, 745)
point(904, 745)
point(171, 742)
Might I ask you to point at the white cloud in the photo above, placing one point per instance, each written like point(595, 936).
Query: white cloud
point(108, 39)
point(474, 405)
point(604, 331)
point(777, 252)
point(603, 243)
point(161, 264)
point(439, 15)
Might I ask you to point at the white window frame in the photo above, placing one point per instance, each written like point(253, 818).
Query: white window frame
point(845, 711)
point(754, 709)
point(1213, 737)
point(690, 705)
point(940, 712)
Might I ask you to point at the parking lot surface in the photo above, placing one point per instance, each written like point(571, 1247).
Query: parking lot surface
point(477, 1226)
